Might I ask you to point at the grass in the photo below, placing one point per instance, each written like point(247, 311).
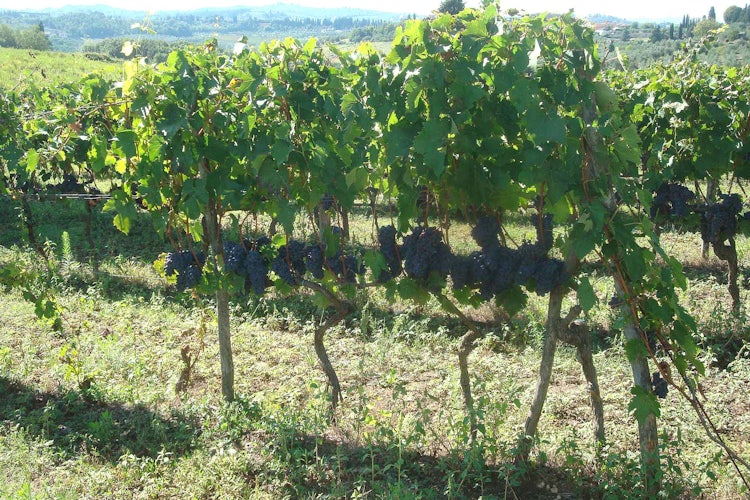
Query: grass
point(22, 68)
point(91, 411)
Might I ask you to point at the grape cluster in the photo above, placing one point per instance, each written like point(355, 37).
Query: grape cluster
point(672, 200)
point(659, 385)
point(719, 220)
point(234, 257)
point(256, 272)
point(424, 253)
point(315, 260)
point(543, 226)
point(390, 251)
point(498, 268)
point(345, 266)
point(289, 263)
point(187, 265)
point(492, 270)
point(486, 231)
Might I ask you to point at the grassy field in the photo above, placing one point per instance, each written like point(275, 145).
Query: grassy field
point(21, 68)
point(91, 411)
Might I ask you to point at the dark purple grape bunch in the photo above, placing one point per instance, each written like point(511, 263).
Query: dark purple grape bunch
point(659, 385)
point(289, 263)
point(391, 254)
point(719, 220)
point(188, 267)
point(425, 254)
point(544, 236)
point(496, 268)
point(672, 200)
point(247, 261)
point(486, 232)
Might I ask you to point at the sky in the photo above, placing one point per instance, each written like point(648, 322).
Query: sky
point(629, 9)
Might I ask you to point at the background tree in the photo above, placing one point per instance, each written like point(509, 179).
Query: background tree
point(451, 6)
point(7, 36)
point(712, 13)
point(732, 14)
point(705, 26)
point(656, 35)
point(33, 38)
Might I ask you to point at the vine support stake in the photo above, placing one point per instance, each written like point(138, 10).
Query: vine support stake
point(342, 309)
point(576, 334)
point(465, 349)
point(728, 253)
point(213, 234)
point(647, 426)
point(648, 436)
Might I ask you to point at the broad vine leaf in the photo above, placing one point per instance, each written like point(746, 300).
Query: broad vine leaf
point(586, 295)
point(643, 404)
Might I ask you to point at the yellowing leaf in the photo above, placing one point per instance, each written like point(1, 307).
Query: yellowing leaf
point(128, 48)
point(121, 166)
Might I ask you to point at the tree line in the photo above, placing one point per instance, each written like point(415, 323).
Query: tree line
point(735, 14)
point(68, 31)
point(31, 38)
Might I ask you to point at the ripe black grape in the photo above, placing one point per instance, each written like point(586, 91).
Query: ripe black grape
point(234, 257)
point(177, 261)
point(543, 226)
point(485, 232)
point(281, 268)
point(187, 265)
point(719, 220)
point(461, 271)
point(389, 249)
point(529, 257)
point(289, 263)
point(425, 252)
point(260, 242)
point(672, 200)
point(351, 268)
point(256, 272)
point(188, 278)
point(500, 265)
point(315, 260)
point(659, 385)
point(548, 274)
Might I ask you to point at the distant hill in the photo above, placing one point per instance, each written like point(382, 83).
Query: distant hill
point(72, 27)
point(104, 9)
point(294, 10)
point(275, 9)
point(603, 18)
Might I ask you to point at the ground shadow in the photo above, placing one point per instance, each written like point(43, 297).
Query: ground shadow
point(78, 420)
point(389, 471)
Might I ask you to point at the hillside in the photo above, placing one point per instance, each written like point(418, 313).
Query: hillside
point(22, 68)
point(71, 27)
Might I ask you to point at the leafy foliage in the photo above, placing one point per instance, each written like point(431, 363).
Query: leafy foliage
point(484, 120)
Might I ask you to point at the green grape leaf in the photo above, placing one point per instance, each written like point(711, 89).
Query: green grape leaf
point(586, 295)
point(643, 404)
